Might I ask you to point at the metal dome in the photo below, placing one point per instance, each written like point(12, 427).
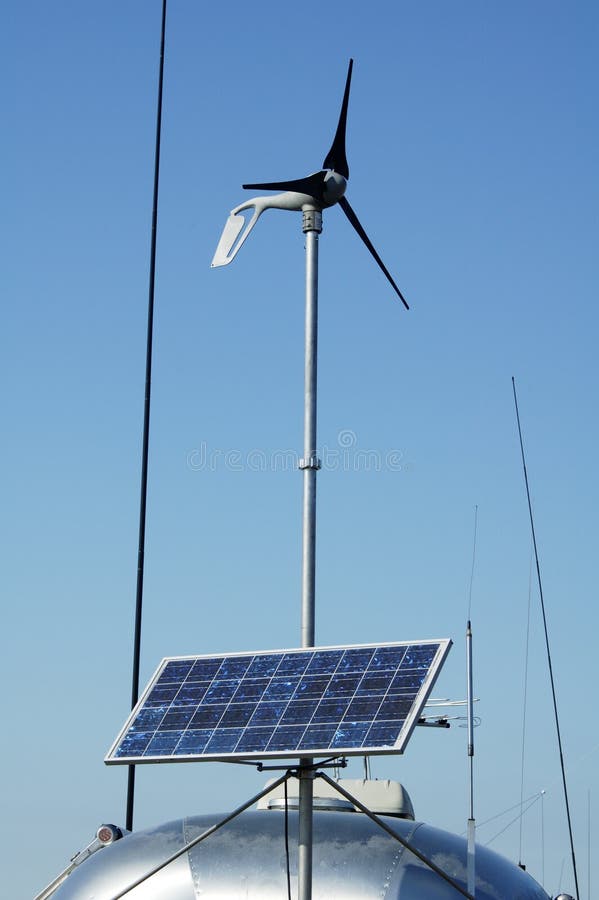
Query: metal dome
point(353, 859)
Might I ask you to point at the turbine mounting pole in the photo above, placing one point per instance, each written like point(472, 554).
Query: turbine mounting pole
point(309, 464)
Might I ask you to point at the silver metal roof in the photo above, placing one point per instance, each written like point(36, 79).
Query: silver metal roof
point(353, 859)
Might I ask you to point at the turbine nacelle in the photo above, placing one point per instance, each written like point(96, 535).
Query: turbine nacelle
point(331, 188)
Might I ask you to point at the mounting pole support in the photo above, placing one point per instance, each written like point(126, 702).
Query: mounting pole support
point(309, 465)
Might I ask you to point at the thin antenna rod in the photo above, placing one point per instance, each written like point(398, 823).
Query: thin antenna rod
point(470, 862)
point(146, 429)
point(557, 728)
point(471, 842)
point(589, 844)
point(473, 561)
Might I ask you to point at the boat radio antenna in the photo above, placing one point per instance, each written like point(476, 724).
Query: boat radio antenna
point(470, 866)
point(146, 426)
point(547, 647)
point(471, 846)
point(473, 562)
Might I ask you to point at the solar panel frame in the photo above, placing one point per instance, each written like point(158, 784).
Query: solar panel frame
point(273, 704)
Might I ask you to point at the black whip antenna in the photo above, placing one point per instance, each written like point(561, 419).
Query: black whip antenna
point(146, 427)
point(557, 728)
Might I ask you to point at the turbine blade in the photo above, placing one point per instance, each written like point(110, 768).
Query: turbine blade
point(335, 158)
point(355, 222)
point(312, 185)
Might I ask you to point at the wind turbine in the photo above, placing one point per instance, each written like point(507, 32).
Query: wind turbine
point(318, 191)
point(309, 195)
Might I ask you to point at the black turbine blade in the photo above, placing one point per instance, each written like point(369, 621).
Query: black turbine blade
point(335, 158)
point(312, 185)
point(355, 222)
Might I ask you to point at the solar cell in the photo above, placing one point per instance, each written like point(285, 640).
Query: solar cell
point(325, 700)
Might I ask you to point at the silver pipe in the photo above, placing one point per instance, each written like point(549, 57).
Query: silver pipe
point(310, 464)
point(305, 826)
point(312, 226)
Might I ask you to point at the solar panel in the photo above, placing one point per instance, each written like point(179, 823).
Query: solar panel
point(321, 701)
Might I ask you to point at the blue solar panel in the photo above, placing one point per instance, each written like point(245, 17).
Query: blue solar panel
point(323, 701)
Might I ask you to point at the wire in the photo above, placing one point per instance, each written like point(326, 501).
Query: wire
point(557, 728)
point(509, 809)
point(515, 819)
point(561, 875)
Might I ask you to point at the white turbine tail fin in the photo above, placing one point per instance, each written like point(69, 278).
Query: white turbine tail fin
point(233, 227)
point(237, 227)
point(236, 230)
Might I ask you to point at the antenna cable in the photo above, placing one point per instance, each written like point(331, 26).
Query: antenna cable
point(557, 728)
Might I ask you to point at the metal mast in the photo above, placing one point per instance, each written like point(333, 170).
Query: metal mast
point(309, 464)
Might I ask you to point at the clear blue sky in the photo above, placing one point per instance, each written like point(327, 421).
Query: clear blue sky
point(473, 147)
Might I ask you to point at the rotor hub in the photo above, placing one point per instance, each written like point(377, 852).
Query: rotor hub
point(333, 188)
